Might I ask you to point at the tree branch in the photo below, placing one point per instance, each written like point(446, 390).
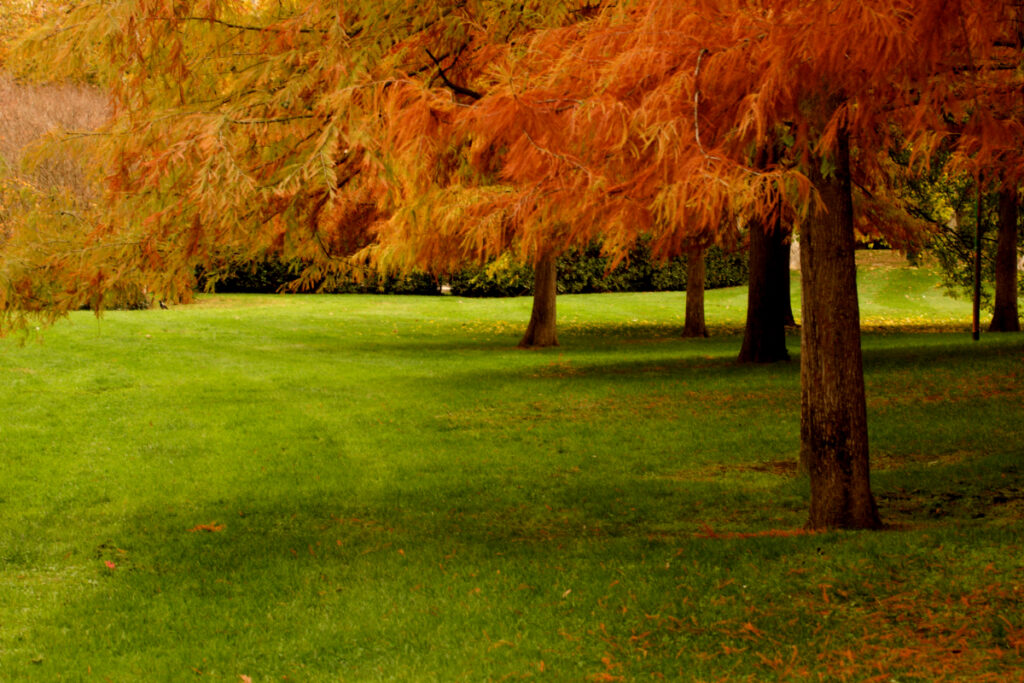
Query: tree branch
point(242, 27)
point(696, 101)
point(454, 87)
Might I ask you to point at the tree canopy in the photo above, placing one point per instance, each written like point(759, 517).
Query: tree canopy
point(423, 136)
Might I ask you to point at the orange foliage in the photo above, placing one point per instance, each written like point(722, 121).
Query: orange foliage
point(427, 134)
point(646, 118)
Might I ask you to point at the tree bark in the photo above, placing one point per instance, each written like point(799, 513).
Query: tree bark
point(696, 272)
point(1005, 317)
point(764, 336)
point(833, 412)
point(541, 331)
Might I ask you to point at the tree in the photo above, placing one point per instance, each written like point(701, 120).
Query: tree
point(764, 335)
point(949, 204)
point(1005, 317)
point(781, 255)
point(979, 129)
point(696, 269)
point(833, 416)
point(541, 331)
point(768, 301)
point(828, 72)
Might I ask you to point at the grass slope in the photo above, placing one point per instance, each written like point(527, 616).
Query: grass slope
point(360, 488)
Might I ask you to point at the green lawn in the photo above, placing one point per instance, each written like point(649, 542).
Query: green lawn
point(356, 488)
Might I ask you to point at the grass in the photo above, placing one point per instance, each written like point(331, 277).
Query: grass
point(359, 488)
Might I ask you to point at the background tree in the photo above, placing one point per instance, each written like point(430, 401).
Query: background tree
point(1005, 315)
point(975, 120)
point(696, 272)
point(769, 310)
point(768, 305)
point(948, 203)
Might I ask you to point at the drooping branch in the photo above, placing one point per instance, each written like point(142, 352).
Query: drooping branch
point(454, 87)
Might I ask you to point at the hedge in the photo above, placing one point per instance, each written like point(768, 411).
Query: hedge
point(586, 270)
point(579, 271)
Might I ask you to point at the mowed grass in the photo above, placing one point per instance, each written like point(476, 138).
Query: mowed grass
point(353, 488)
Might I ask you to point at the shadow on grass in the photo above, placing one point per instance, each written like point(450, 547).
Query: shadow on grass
point(715, 358)
point(499, 518)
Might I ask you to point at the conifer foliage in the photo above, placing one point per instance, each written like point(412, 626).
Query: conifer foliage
point(425, 134)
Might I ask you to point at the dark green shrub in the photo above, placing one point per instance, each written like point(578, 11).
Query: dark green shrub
point(503, 277)
point(725, 269)
point(254, 277)
point(416, 282)
point(582, 271)
point(273, 275)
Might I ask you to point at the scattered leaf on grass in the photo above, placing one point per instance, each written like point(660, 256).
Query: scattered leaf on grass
point(211, 527)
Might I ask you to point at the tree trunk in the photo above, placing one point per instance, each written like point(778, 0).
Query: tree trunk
point(782, 279)
point(695, 276)
point(1005, 317)
point(764, 337)
point(541, 330)
point(833, 412)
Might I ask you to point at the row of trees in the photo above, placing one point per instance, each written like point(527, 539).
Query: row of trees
point(425, 135)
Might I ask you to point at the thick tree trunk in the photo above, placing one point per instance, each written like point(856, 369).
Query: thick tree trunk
point(1005, 317)
point(764, 337)
point(696, 272)
point(833, 415)
point(541, 331)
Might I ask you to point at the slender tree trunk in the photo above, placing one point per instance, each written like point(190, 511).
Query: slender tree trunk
point(1005, 317)
point(833, 415)
point(541, 330)
point(696, 272)
point(979, 228)
point(764, 337)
